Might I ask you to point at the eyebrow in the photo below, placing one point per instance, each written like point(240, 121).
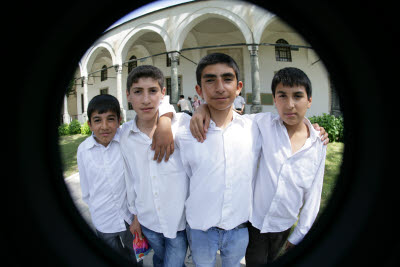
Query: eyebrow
point(99, 117)
point(141, 88)
point(227, 74)
point(296, 92)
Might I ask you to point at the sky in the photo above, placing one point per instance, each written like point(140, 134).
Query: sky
point(150, 7)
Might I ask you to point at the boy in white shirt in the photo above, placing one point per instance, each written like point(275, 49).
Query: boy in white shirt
point(290, 177)
point(221, 169)
point(291, 169)
point(156, 191)
point(102, 180)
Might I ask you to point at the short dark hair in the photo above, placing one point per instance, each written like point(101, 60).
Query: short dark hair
point(291, 76)
point(102, 104)
point(182, 96)
point(145, 71)
point(216, 58)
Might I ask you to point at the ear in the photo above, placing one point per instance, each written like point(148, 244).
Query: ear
point(309, 102)
point(163, 92)
point(239, 88)
point(127, 93)
point(90, 126)
point(199, 91)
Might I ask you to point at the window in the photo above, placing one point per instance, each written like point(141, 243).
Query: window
point(282, 53)
point(82, 103)
point(168, 85)
point(104, 91)
point(132, 64)
point(104, 73)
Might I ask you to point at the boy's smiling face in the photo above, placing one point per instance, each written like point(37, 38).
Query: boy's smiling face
point(219, 86)
point(145, 96)
point(104, 126)
point(292, 103)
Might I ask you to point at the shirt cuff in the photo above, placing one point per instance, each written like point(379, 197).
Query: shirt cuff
point(296, 237)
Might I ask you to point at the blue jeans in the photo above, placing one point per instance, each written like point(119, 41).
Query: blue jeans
point(168, 252)
point(232, 245)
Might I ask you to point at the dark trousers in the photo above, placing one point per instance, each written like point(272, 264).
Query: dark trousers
point(122, 242)
point(264, 248)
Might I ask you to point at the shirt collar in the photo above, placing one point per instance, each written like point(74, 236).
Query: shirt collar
point(134, 127)
point(314, 134)
point(92, 141)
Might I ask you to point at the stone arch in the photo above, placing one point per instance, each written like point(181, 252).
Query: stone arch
point(262, 25)
point(138, 31)
point(211, 12)
point(94, 52)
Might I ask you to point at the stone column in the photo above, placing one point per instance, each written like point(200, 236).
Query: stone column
point(118, 70)
point(66, 117)
point(85, 98)
point(174, 79)
point(255, 79)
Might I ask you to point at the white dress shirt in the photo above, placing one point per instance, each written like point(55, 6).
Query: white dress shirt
point(221, 171)
point(239, 102)
point(287, 182)
point(185, 105)
point(101, 171)
point(156, 191)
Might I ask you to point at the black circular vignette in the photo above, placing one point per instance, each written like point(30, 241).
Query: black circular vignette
point(357, 227)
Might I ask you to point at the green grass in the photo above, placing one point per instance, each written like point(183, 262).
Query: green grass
point(332, 169)
point(68, 147)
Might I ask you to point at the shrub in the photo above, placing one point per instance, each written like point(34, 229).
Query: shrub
point(63, 129)
point(85, 129)
point(75, 127)
point(332, 125)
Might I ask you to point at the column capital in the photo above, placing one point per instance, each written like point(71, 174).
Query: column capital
point(174, 56)
point(253, 49)
point(84, 80)
point(118, 69)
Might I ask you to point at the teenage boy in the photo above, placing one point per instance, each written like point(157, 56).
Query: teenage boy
point(290, 173)
point(220, 169)
point(156, 191)
point(101, 171)
point(290, 177)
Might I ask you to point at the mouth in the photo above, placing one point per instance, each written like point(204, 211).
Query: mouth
point(146, 109)
point(105, 134)
point(290, 115)
point(220, 98)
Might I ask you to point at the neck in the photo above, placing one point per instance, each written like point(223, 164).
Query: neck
point(297, 128)
point(148, 126)
point(221, 117)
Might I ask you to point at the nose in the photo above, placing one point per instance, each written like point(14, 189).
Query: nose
point(290, 103)
point(146, 98)
point(104, 124)
point(220, 86)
